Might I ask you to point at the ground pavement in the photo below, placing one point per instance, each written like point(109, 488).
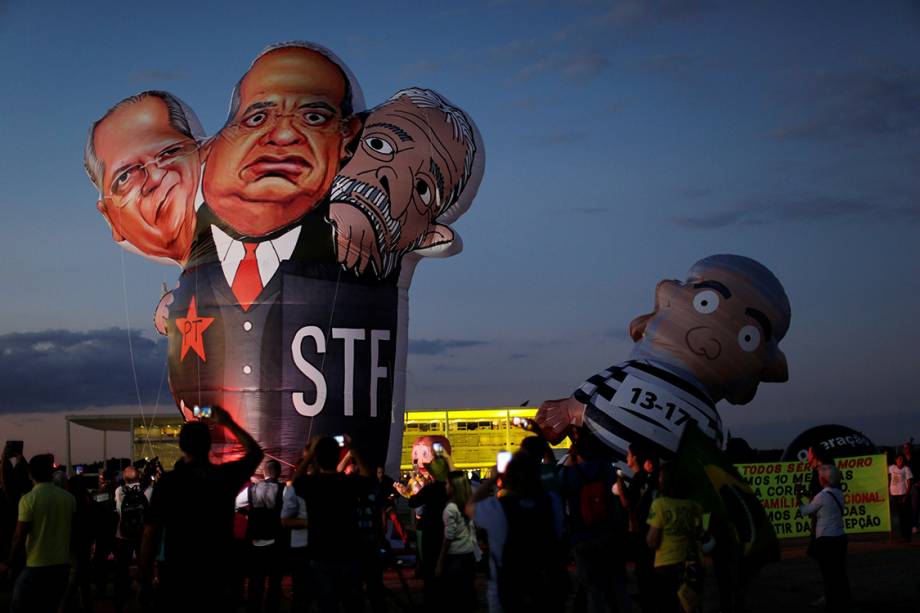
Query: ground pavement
point(885, 578)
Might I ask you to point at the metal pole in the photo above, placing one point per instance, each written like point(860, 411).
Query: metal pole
point(67, 445)
point(105, 445)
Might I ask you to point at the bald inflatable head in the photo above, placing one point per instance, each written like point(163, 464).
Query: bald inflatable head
point(723, 325)
point(291, 118)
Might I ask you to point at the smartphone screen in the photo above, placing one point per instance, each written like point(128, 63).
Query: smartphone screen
point(501, 461)
point(340, 440)
point(198, 411)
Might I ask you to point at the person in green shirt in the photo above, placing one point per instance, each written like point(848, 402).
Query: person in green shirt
point(675, 525)
point(43, 531)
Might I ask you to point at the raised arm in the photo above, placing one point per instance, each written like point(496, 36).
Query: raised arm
point(254, 453)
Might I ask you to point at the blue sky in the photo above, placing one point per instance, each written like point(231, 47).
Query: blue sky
point(625, 140)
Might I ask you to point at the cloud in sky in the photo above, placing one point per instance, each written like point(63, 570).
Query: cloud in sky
point(584, 67)
point(589, 210)
point(439, 346)
point(871, 103)
point(801, 209)
point(63, 370)
point(618, 333)
point(672, 65)
point(573, 67)
point(556, 137)
point(59, 370)
point(420, 68)
point(635, 12)
point(693, 192)
point(140, 77)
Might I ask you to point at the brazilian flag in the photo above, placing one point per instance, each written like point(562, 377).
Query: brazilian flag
point(744, 535)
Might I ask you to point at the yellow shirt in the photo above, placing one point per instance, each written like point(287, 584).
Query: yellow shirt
point(680, 522)
point(50, 511)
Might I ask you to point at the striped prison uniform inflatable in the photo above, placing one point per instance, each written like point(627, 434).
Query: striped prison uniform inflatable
point(636, 402)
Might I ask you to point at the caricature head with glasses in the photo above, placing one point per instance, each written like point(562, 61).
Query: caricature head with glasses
point(145, 156)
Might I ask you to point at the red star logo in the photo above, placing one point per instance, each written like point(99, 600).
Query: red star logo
point(192, 328)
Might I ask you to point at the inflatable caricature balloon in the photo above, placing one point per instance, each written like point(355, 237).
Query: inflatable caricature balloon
point(144, 157)
point(424, 450)
point(714, 336)
point(292, 308)
point(379, 214)
point(833, 440)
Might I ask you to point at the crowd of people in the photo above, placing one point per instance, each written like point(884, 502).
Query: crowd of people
point(214, 537)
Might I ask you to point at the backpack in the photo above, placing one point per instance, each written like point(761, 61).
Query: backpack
point(532, 576)
point(593, 500)
point(133, 507)
point(265, 522)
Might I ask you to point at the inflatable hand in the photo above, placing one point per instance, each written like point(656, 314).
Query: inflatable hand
point(356, 243)
point(555, 417)
point(161, 315)
point(402, 489)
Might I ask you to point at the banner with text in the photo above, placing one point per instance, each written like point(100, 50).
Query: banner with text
point(865, 493)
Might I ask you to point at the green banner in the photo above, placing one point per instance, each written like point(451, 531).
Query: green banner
point(865, 494)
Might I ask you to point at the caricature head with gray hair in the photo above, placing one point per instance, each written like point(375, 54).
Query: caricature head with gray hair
point(144, 157)
point(723, 325)
point(417, 167)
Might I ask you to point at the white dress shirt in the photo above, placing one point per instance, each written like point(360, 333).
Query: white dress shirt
point(294, 507)
point(269, 254)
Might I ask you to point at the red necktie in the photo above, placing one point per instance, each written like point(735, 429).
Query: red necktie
point(247, 285)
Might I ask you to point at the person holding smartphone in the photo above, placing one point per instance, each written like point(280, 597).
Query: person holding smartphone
point(192, 507)
point(333, 511)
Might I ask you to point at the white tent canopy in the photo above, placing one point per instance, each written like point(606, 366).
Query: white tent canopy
point(115, 423)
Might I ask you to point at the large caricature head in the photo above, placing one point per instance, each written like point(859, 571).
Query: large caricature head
point(418, 161)
point(423, 449)
point(291, 118)
point(723, 325)
point(144, 158)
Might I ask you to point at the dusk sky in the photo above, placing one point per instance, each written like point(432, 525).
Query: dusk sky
point(625, 140)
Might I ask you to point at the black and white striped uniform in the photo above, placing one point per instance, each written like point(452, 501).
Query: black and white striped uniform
point(636, 402)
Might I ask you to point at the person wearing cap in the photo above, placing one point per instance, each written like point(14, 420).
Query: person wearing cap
point(829, 547)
